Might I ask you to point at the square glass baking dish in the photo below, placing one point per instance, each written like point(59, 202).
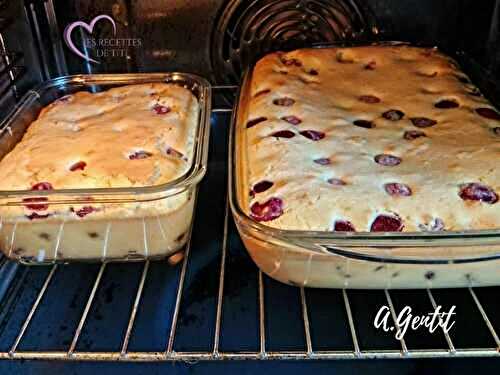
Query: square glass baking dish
point(147, 222)
point(364, 260)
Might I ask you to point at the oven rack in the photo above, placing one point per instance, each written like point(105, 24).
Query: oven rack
point(286, 324)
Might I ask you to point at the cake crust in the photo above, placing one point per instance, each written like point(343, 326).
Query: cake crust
point(375, 138)
point(130, 136)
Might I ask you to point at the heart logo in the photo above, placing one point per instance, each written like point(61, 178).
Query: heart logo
point(90, 29)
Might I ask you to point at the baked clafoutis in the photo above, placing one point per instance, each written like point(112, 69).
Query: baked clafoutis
point(126, 137)
point(368, 139)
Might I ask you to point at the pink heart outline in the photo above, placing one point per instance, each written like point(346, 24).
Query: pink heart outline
point(90, 28)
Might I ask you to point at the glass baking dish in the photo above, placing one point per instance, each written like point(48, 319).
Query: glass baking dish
point(148, 222)
point(363, 260)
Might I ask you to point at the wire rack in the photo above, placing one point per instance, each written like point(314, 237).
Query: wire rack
point(216, 305)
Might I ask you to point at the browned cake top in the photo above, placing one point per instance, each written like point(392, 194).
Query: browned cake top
point(369, 139)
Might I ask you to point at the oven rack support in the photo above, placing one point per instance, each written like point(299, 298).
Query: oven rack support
point(169, 353)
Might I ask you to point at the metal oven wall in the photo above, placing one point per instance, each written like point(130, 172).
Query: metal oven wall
point(179, 35)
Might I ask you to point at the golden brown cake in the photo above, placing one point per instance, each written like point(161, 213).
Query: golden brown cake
point(130, 136)
point(376, 138)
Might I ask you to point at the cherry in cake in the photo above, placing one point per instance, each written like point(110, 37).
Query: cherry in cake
point(370, 99)
point(478, 192)
point(323, 161)
point(397, 189)
point(488, 113)
point(161, 109)
point(78, 166)
point(313, 135)
point(387, 223)
point(84, 211)
point(267, 211)
point(284, 102)
point(410, 135)
point(173, 152)
point(447, 104)
point(393, 115)
point(364, 124)
point(262, 186)
point(140, 155)
point(423, 122)
point(36, 203)
point(387, 160)
point(283, 134)
point(294, 120)
point(343, 226)
point(255, 121)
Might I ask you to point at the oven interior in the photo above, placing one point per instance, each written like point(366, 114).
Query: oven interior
point(215, 304)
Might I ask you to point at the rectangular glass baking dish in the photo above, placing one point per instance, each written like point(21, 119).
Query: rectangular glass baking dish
point(365, 260)
point(149, 233)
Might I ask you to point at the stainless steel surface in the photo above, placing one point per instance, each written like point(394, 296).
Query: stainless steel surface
point(220, 294)
point(33, 309)
point(485, 317)
point(244, 30)
point(305, 315)
point(446, 334)
point(357, 351)
point(55, 38)
point(131, 321)
point(180, 287)
point(86, 311)
point(38, 36)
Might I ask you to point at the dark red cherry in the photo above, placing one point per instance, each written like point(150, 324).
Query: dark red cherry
point(447, 104)
point(173, 152)
point(42, 186)
point(364, 124)
point(267, 211)
point(161, 109)
point(140, 155)
point(478, 192)
point(284, 102)
point(262, 92)
point(294, 120)
point(393, 115)
point(262, 186)
point(410, 135)
point(387, 160)
point(488, 113)
point(255, 121)
point(370, 99)
point(397, 189)
point(423, 122)
point(343, 226)
point(283, 134)
point(387, 223)
point(336, 182)
point(36, 206)
point(35, 216)
point(84, 211)
point(291, 61)
point(37, 203)
point(322, 161)
point(313, 135)
point(78, 166)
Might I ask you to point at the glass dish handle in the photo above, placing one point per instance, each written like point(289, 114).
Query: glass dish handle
point(357, 255)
